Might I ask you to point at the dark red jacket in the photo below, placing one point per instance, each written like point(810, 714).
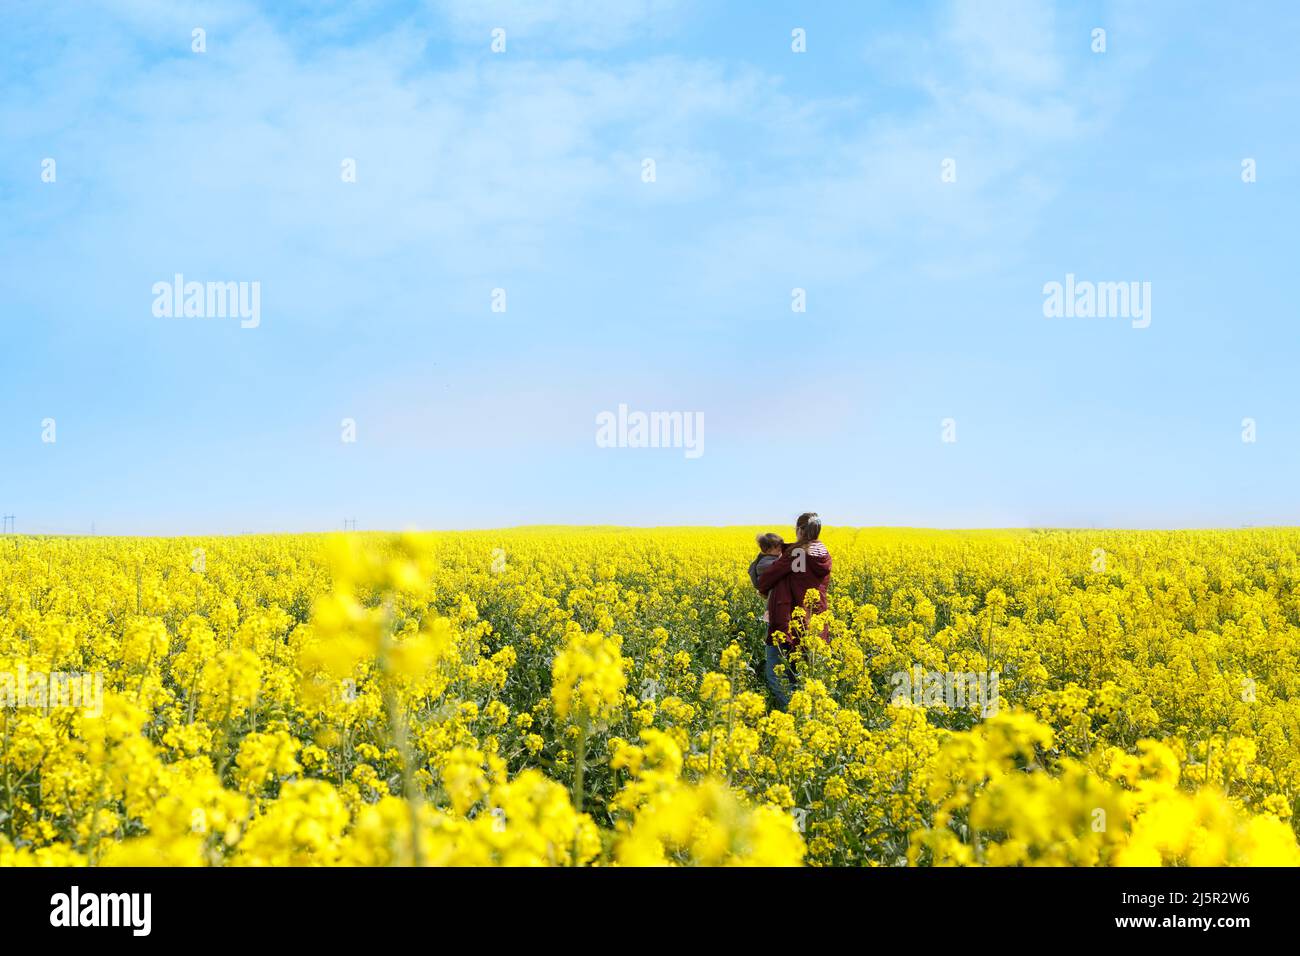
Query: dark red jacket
point(802, 568)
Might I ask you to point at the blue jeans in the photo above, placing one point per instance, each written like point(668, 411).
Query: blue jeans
point(781, 684)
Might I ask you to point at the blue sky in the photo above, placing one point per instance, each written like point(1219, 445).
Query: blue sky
point(522, 170)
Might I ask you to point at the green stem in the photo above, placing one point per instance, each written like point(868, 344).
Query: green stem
point(397, 726)
point(579, 779)
point(580, 767)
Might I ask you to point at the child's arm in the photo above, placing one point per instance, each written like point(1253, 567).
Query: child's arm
point(774, 572)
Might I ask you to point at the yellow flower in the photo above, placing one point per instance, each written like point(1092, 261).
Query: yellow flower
point(376, 699)
point(587, 678)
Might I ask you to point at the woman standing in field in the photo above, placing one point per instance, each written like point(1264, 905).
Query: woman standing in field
point(803, 567)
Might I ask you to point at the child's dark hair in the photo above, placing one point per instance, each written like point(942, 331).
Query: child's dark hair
point(768, 541)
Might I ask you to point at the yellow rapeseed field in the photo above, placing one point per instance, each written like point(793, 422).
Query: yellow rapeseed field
point(565, 696)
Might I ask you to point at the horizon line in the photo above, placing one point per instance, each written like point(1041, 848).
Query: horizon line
point(956, 529)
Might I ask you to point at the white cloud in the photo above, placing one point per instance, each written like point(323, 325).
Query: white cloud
point(493, 166)
point(579, 24)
